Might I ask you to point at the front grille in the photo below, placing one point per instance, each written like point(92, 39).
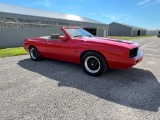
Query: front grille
point(133, 52)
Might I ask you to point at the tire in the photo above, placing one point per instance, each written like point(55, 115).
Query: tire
point(34, 54)
point(94, 63)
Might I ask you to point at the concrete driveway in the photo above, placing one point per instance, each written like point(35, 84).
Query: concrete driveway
point(54, 90)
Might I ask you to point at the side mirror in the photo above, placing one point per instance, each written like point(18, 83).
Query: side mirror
point(63, 38)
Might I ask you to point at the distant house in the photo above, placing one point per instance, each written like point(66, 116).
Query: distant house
point(153, 32)
point(119, 29)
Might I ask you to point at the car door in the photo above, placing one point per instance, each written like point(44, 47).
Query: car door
point(60, 50)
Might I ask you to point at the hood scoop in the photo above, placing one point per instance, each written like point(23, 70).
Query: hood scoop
point(118, 40)
point(124, 41)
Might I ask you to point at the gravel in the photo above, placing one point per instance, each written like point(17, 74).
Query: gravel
point(54, 90)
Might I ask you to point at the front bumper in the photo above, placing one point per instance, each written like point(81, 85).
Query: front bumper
point(138, 58)
point(125, 63)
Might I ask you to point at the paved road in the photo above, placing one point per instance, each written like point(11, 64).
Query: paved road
point(62, 91)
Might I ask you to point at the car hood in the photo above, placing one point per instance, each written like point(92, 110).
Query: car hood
point(117, 42)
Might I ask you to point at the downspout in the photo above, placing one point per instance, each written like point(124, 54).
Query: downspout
point(104, 34)
point(131, 32)
point(107, 31)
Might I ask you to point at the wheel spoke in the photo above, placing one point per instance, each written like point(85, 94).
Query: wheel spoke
point(33, 53)
point(92, 64)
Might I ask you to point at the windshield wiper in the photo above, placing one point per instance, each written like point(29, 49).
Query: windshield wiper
point(88, 35)
point(78, 36)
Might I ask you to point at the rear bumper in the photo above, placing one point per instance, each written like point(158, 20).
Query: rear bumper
point(125, 63)
point(26, 48)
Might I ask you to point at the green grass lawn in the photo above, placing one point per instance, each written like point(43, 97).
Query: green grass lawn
point(129, 38)
point(7, 52)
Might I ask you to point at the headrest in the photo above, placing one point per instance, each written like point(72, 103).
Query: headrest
point(55, 36)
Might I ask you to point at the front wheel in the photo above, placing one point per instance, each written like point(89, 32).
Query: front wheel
point(34, 53)
point(94, 63)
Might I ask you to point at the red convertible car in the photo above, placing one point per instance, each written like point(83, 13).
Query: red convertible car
point(95, 54)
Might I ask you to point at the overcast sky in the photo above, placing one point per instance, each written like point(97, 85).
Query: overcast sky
point(142, 13)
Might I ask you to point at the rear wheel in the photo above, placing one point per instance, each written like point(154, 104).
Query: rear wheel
point(94, 63)
point(34, 53)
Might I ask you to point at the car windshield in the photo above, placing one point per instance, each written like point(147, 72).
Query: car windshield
point(78, 32)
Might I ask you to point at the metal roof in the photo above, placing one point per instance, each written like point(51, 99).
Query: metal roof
point(8, 8)
point(129, 25)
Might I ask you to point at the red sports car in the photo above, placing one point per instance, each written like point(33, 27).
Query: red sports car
point(95, 54)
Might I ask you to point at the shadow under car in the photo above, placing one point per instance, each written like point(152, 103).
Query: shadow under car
point(135, 88)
